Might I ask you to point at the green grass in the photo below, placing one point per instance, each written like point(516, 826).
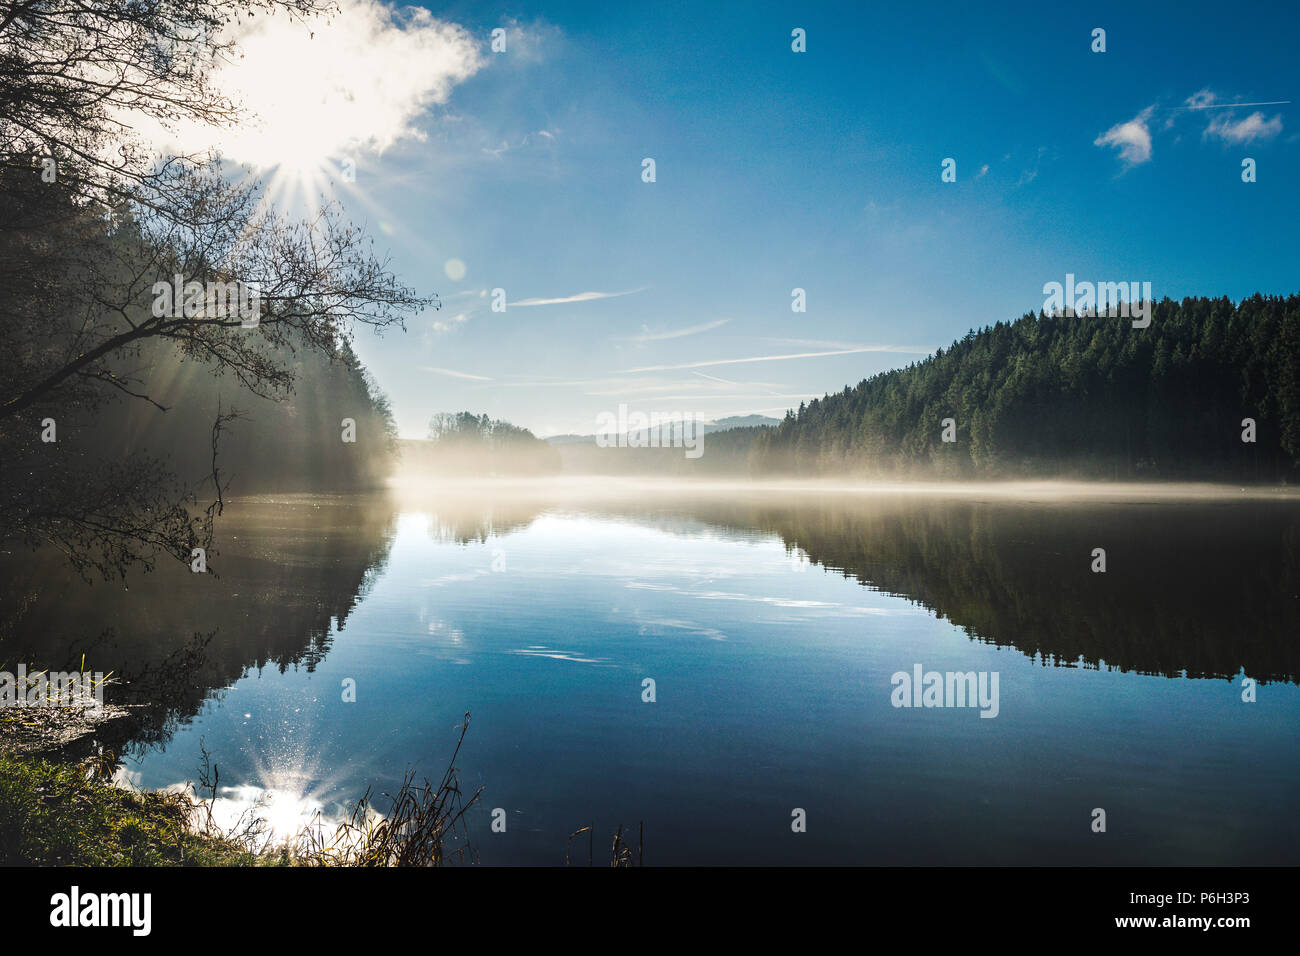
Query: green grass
point(53, 815)
point(57, 814)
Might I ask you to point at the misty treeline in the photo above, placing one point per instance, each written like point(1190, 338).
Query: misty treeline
point(1078, 396)
point(462, 443)
point(122, 425)
point(725, 452)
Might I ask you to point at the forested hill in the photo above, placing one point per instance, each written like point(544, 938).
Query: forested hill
point(300, 443)
point(1072, 395)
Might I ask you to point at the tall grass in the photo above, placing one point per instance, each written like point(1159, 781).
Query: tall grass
point(423, 825)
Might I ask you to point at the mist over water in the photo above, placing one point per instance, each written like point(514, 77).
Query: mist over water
point(413, 486)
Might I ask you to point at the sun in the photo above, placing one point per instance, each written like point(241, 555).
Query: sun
point(291, 129)
point(312, 96)
point(291, 150)
point(301, 110)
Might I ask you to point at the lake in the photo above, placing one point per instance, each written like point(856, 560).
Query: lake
point(772, 622)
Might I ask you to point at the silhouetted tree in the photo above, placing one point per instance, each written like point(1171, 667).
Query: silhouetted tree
point(84, 243)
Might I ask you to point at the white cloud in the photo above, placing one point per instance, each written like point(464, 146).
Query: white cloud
point(1029, 175)
point(459, 319)
point(528, 43)
point(780, 358)
point(1247, 130)
point(1132, 139)
point(358, 81)
point(542, 137)
point(1223, 126)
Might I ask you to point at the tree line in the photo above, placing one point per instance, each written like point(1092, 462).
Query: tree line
point(462, 443)
point(1071, 396)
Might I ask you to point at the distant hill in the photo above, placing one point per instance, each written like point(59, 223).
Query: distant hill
point(723, 447)
point(716, 448)
point(1072, 395)
point(569, 439)
point(744, 421)
point(721, 425)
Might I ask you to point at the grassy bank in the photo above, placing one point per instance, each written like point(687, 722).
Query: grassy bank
point(54, 815)
point(62, 813)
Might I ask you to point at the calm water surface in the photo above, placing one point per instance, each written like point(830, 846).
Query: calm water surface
point(771, 625)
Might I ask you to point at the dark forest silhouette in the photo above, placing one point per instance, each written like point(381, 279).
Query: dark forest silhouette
point(91, 222)
point(1074, 396)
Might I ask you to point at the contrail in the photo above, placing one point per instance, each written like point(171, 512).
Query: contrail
point(580, 297)
point(455, 374)
point(1223, 106)
point(777, 358)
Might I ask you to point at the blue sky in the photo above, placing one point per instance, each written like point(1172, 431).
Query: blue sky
point(818, 170)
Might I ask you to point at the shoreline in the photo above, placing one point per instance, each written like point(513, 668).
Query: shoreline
point(1065, 490)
